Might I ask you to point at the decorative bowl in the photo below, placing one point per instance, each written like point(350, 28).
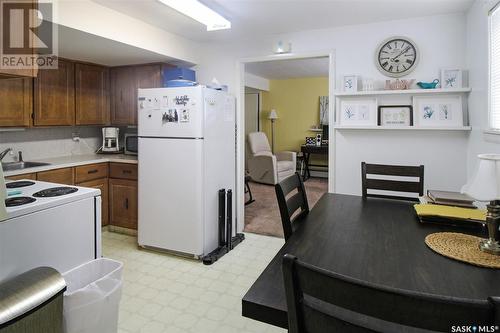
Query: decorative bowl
point(428, 85)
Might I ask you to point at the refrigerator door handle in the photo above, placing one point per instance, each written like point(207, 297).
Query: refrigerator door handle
point(126, 203)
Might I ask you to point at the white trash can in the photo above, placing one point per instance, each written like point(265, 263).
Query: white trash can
point(92, 298)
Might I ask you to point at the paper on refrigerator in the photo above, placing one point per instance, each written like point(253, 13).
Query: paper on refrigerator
point(3, 195)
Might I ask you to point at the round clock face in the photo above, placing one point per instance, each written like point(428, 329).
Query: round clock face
point(397, 56)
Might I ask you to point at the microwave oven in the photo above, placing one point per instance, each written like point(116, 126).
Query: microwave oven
point(131, 143)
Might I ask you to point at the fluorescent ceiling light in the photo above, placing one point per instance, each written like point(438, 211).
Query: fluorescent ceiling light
point(199, 12)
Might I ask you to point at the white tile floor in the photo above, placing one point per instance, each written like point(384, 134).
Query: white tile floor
point(163, 293)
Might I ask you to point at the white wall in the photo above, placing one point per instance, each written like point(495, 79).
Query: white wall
point(477, 63)
point(442, 44)
point(257, 82)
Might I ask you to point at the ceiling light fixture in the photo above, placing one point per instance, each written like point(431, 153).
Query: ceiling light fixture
point(199, 12)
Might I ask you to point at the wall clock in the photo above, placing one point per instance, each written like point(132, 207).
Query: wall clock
point(397, 56)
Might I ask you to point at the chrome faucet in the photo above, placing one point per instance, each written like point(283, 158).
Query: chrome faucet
point(5, 152)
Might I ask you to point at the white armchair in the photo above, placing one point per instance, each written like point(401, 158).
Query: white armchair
point(263, 166)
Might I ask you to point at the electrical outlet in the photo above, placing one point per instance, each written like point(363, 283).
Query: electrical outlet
point(75, 136)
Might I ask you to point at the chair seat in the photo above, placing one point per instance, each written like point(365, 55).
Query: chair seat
point(285, 166)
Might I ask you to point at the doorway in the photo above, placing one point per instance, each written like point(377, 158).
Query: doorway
point(298, 88)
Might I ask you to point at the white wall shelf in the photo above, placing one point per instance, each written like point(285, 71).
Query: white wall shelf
point(403, 92)
point(318, 130)
point(411, 128)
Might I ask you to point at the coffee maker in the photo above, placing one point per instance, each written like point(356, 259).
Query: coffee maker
point(110, 136)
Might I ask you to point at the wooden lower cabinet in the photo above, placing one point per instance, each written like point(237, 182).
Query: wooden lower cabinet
point(101, 184)
point(60, 176)
point(31, 176)
point(123, 203)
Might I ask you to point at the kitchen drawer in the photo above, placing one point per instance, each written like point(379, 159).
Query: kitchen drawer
point(60, 176)
point(31, 176)
point(123, 171)
point(88, 172)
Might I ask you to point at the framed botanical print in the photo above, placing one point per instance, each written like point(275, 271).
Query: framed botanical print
point(439, 111)
point(358, 112)
point(451, 78)
point(350, 83)
point(395, 115)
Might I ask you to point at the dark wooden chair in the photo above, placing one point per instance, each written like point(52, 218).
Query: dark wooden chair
point(392, 185)
point(321, 301)
point(295, 202)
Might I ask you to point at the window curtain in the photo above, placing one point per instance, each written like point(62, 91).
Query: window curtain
point(323, 110)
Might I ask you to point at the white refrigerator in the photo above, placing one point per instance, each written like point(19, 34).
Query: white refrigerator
point(186, 155)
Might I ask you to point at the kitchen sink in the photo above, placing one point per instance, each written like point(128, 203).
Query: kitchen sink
point(11, 166)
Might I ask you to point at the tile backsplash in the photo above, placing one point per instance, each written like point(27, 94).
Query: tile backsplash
point(40, 143)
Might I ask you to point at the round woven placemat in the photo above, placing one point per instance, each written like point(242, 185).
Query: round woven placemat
point(463, 248)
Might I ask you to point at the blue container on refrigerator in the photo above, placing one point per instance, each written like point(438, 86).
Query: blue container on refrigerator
point(178, 76)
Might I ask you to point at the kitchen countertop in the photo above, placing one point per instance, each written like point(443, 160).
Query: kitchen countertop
point(73, 161)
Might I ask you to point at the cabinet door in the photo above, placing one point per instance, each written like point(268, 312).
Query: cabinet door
point(92, 95)
point(15, 102)
point(123, 96)
point(123, 203)
point(55, 96)
point(101, 184)
point(60, 176)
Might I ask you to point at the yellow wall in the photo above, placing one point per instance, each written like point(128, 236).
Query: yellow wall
point(297, 103)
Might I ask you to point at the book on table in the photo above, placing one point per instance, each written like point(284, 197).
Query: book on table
point(449, 198)
point(451, 215)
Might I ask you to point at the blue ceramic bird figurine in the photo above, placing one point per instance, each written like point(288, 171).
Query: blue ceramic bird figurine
point(428, 85)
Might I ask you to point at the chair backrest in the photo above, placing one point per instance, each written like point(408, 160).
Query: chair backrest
point(323, 301)
point(389, 184)
point(295, 202)
point(258, 143)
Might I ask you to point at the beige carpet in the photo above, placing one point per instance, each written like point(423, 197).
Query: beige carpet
point(263, 215)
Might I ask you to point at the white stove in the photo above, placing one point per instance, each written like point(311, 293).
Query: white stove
point(49, 224)
point(42, 202)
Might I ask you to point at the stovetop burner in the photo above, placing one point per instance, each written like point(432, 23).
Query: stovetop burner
point(21, 183)
point(18, 201)
point(55, 192)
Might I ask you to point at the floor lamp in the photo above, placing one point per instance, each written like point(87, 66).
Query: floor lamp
point(272, 116)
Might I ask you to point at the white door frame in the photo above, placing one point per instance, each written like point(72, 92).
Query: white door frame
point(240, 123)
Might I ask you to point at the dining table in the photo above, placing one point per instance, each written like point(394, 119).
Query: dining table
point(376, 240)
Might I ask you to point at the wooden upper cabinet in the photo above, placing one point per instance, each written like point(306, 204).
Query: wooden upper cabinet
point(15, 102)
point(54, 96)
point(92, 94)
point(124, 84)
point(123, 92)
point(148, 76)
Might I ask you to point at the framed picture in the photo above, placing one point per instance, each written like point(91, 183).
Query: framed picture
point(350, 83)
point(439, 111)
point(451, 78)
point(358, 112)
point(395, 115)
